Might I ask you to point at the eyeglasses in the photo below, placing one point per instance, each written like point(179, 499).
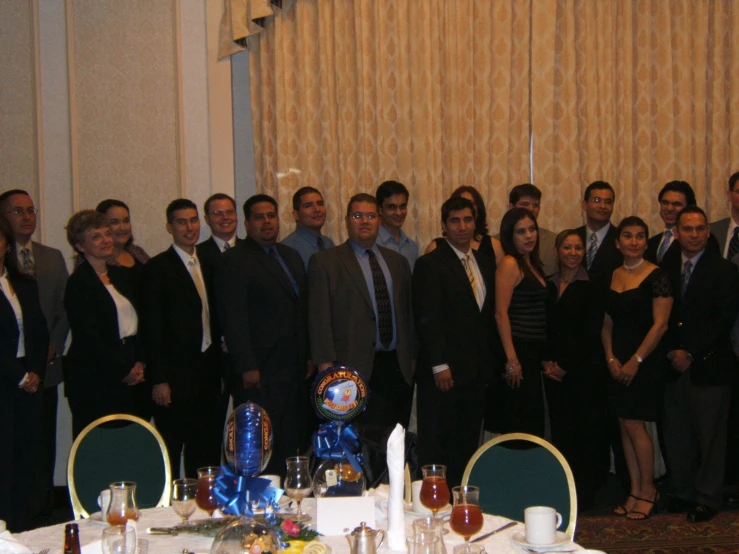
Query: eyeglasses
point(21, 211)
point(598, 200)
point(360, 215)
point(224, 213)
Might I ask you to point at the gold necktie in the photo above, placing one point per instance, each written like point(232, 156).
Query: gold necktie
point(471, 277)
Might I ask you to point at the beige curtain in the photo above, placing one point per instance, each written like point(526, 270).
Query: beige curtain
point(439, 93)
point(637, 93)
point(432, 93)
point(242, 19)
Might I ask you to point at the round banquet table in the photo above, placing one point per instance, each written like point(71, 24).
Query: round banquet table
point(52, 537)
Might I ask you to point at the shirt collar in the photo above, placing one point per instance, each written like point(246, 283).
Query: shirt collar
point(461, 255)
point(694, 259)
point(601, 234)
point(386, 236)
point(308, 235)
point(361, 250)
point(220, 242)
point(184, 256)
point(581, 275)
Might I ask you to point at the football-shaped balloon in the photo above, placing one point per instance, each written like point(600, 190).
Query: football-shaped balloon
point(247, 439)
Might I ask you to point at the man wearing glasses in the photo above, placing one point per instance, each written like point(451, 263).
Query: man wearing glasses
point(46, 265)
point(359, 314)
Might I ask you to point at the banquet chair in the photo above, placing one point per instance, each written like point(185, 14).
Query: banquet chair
point(518, 470)
point(118, 447)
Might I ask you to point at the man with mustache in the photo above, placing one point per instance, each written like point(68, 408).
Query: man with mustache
point(309, 212)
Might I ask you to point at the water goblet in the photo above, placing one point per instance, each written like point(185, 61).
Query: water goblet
point(466, 519)
point(122, 506)
point(298, 483)
point(118, 539)
point(184, 492)
point(434, 489)
point(205, 498)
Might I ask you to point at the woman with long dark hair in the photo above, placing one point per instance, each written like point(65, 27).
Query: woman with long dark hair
point(23, 350)
point(520, 313)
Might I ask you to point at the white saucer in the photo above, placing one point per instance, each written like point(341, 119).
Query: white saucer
point(519, 539)
point(445, 511)
point(98, 519)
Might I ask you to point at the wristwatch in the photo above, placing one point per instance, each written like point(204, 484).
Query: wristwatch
point(638, 358)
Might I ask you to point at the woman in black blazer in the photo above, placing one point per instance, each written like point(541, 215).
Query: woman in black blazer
point(104, 369)
point(574, 368)
point(24, 343)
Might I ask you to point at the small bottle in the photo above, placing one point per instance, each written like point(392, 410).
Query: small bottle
point(71, 539)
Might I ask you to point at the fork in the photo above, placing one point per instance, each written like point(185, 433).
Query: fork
point(44, 551)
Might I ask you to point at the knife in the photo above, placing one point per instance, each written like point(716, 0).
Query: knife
point(498, 530)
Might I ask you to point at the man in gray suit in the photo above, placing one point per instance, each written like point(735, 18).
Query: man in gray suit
point(726, 230)
point(529, 196)
point(47, 266)
point(359, 305)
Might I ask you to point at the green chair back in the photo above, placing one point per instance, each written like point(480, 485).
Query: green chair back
point(516, 471)
point(118, 448)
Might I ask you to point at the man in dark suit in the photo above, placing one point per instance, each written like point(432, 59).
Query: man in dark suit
point(454, 304)
point(221, 216)
point(261, 291)
point(47, 266)
point(181, 342)
point(599, 235)
point(726, 230)
point(360, 314)
point(697, 396)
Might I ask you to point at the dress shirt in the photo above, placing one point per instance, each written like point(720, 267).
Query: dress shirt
point(364, 264)
point(306, 243)
point(693, 260)
point(128, 320)
point(222, 243)
point(16, 305)
point(479, 285)
point(192, 270)
point(599, 236)
point(405, 247)
point(729, 235)
point(19, 253)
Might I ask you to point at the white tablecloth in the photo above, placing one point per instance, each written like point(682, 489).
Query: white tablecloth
point(90, 531)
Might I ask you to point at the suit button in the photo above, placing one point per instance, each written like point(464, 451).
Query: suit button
point(680, 324)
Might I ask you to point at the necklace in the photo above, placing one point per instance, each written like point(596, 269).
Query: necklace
point(634, 266)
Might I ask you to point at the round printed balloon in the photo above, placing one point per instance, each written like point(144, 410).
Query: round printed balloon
point(247, 439)
point(339, 393)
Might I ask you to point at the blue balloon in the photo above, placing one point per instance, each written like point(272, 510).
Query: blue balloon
point(247, 439)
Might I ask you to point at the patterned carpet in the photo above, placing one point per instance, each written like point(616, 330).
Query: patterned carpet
point(661, 534)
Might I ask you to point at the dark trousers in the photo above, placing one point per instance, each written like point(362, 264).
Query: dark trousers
point(523, 408)
point(390, 397)
point(20, 414)
point(449, 426)
point(695, 424)
point(42, 504)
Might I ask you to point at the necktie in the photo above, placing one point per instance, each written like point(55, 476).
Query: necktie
point(29, 267)
point(193, 263)
point(592, 249)
point(319, 242)
point(685, 278)
point(733, 245)
point(666, 242)
point(471, 277)
point(273, 255)
point(382, 297)
point(226, 246)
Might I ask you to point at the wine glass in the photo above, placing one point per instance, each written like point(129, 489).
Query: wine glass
point(434, 489)
point(184, 492)
point(118, 539)
point(122, 505)
point(205, 498)
point(298, 483)
point(466, 519)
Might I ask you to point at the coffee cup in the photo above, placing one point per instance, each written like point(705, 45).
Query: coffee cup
point(542, 523)
point(416, 498)
point(104, 502)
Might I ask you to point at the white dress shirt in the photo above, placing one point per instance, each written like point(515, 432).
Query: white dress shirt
point(194, 270)
point(128, 320)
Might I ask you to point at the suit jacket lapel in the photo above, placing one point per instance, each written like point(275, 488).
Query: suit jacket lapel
point(455, 264)
point(349, 259)
point(272, 266)
point(181, 273)
point(695, 284)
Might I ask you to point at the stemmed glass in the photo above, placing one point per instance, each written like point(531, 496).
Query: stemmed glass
point(466, 519)
point(205, 498)
point(122, 505)
point(118, 539)
point(184, 492)
point(298, 483)
point(434, 489)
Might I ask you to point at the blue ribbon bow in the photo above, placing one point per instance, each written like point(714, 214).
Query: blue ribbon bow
point(241, 494)
point(334, 441)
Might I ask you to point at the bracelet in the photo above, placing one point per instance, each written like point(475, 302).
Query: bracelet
point(510, 365)
point(610, 360)
point(638, 358)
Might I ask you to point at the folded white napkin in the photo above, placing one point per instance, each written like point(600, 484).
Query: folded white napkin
point(8, 544)
point(380, 494)
point(395, 504)
point(95, 547)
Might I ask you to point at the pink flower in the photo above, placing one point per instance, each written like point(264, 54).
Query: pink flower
point(291, 528)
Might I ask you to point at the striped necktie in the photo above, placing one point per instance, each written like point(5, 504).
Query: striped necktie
point(592, 249)
point(471, 277)
point(382, 298)
point(685, 277)
point(29, 267)
point(666, 242)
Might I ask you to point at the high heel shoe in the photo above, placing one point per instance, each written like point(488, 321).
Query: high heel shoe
point(641, 516)
point(621, 510)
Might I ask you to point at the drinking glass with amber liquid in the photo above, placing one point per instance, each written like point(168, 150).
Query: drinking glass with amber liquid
point(205, 498)
point(122, 505)
point(466, 519)
point(434, 489)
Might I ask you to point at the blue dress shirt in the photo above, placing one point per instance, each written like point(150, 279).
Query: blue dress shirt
point(306, 243)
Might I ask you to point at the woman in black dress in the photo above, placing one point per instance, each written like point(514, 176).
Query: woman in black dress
point(23, 350)
point(104, 369)
point(574, 380)
point(638, 309)
point(520, 313)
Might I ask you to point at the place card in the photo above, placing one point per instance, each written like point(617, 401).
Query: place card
point(340, 515)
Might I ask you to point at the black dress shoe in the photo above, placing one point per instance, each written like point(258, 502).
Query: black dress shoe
point(701, 514)
point(678, 505)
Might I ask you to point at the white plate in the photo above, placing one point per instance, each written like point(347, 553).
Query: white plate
point(97, 519)
point(519, 539)
point(445, 511)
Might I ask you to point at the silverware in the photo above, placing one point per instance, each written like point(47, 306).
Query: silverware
point(545, 551)
point(498, 530)
point(44, 551)
point(162, 531)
